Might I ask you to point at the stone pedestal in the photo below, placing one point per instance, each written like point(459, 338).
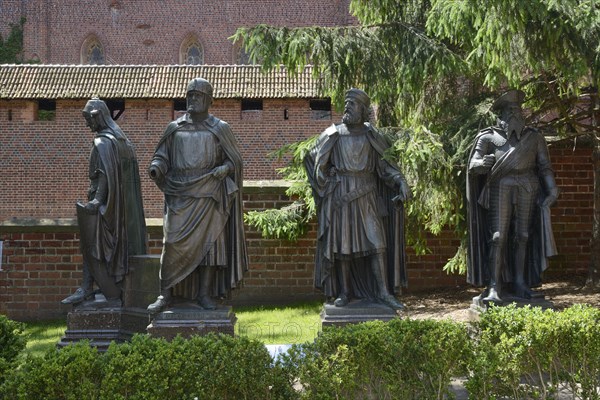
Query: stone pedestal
point(101, 321)
point(355, 312)
point(478, 306)
point(98, 321)
point(189, 320)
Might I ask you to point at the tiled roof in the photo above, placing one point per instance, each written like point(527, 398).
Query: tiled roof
point(150, 81)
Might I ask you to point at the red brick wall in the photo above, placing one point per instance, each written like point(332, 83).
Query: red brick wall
point(152, 31)
point(44, 163)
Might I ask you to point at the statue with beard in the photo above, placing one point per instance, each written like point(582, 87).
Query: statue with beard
point(359, 198)
point(510, 188)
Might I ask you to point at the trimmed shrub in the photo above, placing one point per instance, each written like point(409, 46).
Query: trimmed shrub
point(203, 367)
point(527, 353)
point(12, 342)
point(73, 373)
point(400, 359)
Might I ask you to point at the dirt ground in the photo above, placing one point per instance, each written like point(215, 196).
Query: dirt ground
point(454, 303)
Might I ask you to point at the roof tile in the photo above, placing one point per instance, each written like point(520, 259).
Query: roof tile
point(33, 81)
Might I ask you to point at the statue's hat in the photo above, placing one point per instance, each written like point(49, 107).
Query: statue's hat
point(513, 96)
point(359, 95)
point(200, 85)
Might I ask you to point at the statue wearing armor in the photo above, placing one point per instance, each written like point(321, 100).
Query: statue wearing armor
point(511, 187)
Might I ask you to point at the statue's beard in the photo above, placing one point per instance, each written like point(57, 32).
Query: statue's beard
point(350, 118)
point(514, 124)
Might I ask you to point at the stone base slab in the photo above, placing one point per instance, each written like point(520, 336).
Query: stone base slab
point(478, 306)
point(355, 312)
point(187, 321)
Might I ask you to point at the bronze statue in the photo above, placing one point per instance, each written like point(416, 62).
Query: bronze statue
point(359, 198)
point(510, 190)
point(198, 166)
point(111, 223)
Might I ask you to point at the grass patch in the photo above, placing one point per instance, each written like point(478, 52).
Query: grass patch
point(297, 323)
point(42, 336)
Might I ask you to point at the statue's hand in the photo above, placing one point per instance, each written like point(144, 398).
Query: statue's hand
point(332, 171)
point(488, 161)
point(92, 206)
point(405, 193)
point(221, 172)
point(155, 174)
point(551, 198)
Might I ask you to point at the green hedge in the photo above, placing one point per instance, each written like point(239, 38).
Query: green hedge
point(208, 367)
point(12, 342)
point(400, 359)
point(527, 353)
point(516, 353)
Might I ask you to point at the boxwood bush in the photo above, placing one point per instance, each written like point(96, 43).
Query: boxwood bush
point(208, 367)
point(12, 342)
point(516, 353)
point(400, 359)
point(527, 353)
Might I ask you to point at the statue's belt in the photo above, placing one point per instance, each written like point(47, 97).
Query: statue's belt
point(354, 194)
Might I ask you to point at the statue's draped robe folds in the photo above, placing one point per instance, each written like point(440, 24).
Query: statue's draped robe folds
point(530, 150)
point(118, 230)
point(203, 222)
point(356, 215)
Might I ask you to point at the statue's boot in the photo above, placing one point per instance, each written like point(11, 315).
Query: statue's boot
point(161, 302)
point(344, 297)
point(342, 300)
point(380, 274)
point(493, 296)
point(79, 296)
point(85, 292)
point(521, 290)
point(391, 302)
point(206, 281)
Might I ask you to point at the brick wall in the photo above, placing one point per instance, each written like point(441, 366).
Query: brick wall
point(44, 163)
point(152, 31)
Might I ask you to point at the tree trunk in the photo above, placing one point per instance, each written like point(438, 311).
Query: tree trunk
point(594, 270)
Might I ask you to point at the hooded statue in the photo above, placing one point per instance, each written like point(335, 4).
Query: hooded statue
point(111, 224)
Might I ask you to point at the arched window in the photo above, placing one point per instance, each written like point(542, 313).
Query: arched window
point(191, 52)
point(92, 51)
point(240, 57)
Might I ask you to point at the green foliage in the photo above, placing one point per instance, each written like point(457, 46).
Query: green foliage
point(70, 374)
point(289, 222)
point(527, 353)
point(11, 48)
point(207, 367)
point(12, 342)
point(431, 65)
point(400, 359)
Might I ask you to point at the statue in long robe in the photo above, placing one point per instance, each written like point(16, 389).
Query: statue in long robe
point(198, 166)
point(111, 223)
point(359, 198)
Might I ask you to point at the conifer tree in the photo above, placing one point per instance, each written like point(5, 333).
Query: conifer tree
point(433, 68)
